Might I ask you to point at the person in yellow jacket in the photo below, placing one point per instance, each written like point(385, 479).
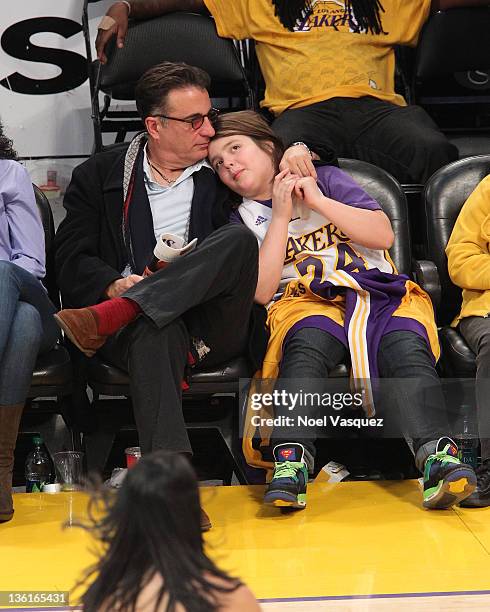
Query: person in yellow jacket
point(468, 253)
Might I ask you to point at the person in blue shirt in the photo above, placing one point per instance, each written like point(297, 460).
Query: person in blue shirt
point(27, 326)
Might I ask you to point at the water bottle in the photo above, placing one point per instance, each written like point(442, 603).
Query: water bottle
point(468, 439)
point(37, 468)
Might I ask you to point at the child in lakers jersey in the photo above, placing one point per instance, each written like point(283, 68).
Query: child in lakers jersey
point(333, 293)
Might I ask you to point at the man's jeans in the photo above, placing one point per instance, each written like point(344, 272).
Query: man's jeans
point(27, 328)
point(312, 353)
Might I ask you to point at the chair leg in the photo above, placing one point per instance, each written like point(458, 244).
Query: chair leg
point(98, 444)
point(56, 435)
point(236, 447)
point(97, 447)
point(227, 428)
point(46, 417)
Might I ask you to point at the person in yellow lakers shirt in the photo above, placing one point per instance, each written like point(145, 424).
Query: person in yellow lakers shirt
point(468, 253)
point(329, 70)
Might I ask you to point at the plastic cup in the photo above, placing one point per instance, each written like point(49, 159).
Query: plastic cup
point(133, 455)
point(54, 487)
point(69, 469)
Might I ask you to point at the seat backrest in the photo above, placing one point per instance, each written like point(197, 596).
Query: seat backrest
point(444, 195)
point(175, 37)
point(46, 213)
point(386, 190)
point(451, 41)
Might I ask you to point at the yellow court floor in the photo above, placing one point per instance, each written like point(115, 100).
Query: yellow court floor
point(358, 546)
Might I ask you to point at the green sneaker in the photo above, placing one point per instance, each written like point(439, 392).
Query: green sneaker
point(287, 488)
point(447, 481)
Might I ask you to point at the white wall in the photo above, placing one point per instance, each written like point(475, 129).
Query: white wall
point(47, 125)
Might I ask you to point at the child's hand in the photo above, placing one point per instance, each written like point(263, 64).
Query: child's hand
point(307, 190)
point(282, 200)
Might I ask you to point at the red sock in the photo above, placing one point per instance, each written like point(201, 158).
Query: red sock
point(114, 314)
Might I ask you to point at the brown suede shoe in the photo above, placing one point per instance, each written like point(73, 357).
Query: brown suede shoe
point(81, 328)
point(205, 521)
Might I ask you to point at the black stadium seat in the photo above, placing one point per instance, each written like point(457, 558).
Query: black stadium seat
point(182, 37)
point(52, 376)
point(445, 193)
point(451, 76)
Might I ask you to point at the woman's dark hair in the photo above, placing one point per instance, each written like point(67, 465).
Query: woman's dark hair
point(6, 146)
point(251, 124)
point(151, 528)
point(154, 86)
point(367, 13)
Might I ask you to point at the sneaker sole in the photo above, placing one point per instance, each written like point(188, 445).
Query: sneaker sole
point(451, 491)
point(284, 499)
point(72, 338)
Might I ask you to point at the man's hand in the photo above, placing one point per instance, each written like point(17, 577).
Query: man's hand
point(297, 159)
point(121, 285)
point(119, 13)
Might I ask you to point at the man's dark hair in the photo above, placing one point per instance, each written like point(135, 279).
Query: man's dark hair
point(367, 13)
point(154, 86)
point(6, 147)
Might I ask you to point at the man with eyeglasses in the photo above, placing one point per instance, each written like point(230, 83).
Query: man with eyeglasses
point(198, 310)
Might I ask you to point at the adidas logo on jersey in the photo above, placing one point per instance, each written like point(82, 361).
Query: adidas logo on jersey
point(260, 220)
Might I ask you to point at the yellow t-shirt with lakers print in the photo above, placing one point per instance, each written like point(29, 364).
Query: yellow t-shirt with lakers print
point(325, 56)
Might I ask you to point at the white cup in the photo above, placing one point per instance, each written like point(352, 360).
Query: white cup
point(54, 487)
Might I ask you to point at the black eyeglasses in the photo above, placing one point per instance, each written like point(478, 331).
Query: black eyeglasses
point(196, 121)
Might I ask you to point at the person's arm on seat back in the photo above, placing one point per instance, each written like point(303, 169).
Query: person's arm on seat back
point(119, 12)
point(82, 275)
point(467, 249)
point(298, 159)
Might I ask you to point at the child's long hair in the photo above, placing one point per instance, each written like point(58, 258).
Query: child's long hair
point(251, 124)
point(151, 528)
point(367, 13)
